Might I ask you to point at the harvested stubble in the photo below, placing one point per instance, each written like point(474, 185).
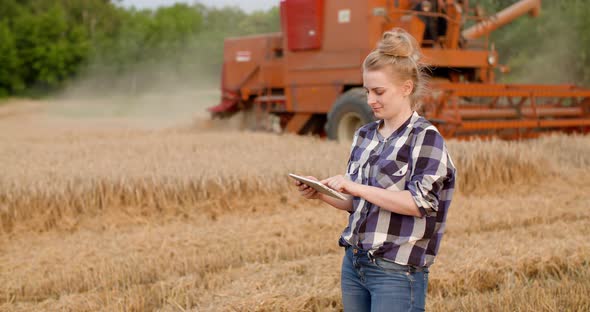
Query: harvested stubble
point(136, 220)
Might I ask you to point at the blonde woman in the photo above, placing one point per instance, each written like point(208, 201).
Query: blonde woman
point(400, 180)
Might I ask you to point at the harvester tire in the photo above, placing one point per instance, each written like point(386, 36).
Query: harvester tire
point(349, 112)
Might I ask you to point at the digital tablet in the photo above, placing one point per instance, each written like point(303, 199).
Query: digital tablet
point(316, 185)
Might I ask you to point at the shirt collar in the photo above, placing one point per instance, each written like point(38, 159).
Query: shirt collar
point(407, 124)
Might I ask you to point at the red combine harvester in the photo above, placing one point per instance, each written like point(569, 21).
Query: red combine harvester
point(307, 79)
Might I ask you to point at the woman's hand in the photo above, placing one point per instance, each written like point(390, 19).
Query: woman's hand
point(307, 191)
point(310, 193)
point(341, 184)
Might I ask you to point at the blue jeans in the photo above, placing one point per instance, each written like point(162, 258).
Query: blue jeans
point(378, 285)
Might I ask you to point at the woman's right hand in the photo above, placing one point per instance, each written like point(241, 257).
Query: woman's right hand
point(307, 191)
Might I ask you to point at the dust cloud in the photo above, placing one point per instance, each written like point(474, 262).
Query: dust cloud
point(163, 94)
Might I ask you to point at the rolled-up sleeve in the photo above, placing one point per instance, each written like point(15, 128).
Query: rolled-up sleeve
point(431, 167)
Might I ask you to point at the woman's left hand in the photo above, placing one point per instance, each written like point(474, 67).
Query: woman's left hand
point(341, 184)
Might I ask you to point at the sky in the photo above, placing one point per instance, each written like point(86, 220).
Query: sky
point(246, 5)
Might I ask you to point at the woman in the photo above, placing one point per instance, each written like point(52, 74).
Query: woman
point(399, 181)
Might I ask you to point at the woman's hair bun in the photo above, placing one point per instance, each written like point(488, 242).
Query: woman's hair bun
point(399, 52)
point(396, 43)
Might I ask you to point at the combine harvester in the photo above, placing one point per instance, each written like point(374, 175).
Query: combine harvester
point(307, 79)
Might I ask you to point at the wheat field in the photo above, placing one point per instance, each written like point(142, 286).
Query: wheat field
point(107, 215)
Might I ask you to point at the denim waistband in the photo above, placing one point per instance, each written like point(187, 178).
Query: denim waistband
point(389, 263)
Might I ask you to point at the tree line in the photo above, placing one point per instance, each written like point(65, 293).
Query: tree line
point(44, 44)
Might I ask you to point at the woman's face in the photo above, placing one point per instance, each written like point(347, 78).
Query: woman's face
point(386, 96)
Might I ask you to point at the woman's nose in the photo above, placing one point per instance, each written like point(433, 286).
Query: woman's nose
point(371, 99)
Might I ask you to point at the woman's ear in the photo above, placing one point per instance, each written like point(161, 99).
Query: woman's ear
point(407, 87)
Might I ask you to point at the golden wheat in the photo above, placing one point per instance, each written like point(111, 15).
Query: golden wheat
point(132, 219)
point(79, 175)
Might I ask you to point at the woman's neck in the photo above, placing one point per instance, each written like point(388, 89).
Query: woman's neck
point(392, 124)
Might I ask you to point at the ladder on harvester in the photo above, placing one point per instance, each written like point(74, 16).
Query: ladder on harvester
point(265, 103)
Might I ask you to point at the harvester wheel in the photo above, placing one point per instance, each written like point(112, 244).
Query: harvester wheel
point(349, 112)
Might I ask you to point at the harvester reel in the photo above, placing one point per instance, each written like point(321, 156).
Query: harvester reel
point(349, 112)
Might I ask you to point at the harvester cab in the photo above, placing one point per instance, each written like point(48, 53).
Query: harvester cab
point(307, 78)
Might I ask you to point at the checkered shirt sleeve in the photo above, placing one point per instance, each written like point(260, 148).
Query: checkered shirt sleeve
point(431, 166)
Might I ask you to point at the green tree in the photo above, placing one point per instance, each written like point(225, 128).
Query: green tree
point(552, 48)
point(261, 22)
point(10, 80)
point(49, 48)
point(9, 9)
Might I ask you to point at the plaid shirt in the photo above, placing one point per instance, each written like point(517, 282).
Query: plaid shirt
point(413, 158)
